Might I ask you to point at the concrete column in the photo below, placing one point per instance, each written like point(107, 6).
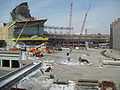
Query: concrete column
point(20, 63)
point(1, 63)
point(10, 62)
point(23, 55)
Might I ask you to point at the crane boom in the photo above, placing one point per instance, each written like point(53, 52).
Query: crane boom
point(84, 21)
point(83, 24)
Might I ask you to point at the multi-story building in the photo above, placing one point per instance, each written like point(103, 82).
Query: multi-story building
point(115, 34)
point(23, 28)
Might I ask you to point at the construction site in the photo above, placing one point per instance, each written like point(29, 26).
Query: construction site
point(32, 30)
point(34, 56)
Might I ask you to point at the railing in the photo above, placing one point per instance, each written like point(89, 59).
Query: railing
point(12, 78)
point(13, 72)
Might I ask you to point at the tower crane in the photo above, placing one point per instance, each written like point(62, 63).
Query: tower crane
point(70, 16)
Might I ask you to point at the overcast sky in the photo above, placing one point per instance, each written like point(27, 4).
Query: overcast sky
point(100, 16)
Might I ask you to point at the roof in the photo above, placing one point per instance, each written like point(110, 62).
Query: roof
point(42, 21)
point(33, 39)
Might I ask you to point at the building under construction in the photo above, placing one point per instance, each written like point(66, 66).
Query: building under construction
point(115, 34)
point(26, 29)
point(93, 40)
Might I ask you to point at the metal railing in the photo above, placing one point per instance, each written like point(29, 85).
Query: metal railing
point(12, 78)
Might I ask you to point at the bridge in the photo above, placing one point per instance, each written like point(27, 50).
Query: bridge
point(7, 81)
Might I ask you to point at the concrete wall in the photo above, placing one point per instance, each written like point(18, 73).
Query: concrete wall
point(3, 33)
point(9, 63)
point(116, 34)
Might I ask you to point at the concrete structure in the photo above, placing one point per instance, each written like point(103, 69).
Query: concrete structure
point(23, 28)
point(26, 29)
point(67, 40)
point(14, 59)
point(115, 34)
point(5, 34)
point(10, 59)
point(7, 81)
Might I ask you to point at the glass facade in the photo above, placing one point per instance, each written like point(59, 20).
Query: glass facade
point(30, 30)
point(27, 30)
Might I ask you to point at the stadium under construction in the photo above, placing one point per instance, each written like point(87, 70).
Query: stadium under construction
point(26, 29)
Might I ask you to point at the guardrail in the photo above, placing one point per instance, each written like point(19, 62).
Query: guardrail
point(9, 83)
point(8, 52)
point(13, 72)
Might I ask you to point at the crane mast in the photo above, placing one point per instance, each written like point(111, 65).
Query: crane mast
point(70, 16)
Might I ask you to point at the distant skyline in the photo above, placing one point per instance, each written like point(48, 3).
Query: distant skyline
point(100, 16)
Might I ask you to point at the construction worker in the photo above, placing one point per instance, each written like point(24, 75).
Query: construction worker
point(68, 57)
point(79, 59)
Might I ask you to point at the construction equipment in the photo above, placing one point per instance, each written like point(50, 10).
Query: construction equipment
point(84, 21)
point(70, 16)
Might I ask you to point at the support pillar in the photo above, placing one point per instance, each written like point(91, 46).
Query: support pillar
point(20, 63)
point(10, 62)
point(1, 63)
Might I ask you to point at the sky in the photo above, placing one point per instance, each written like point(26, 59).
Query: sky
point(100, 15)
